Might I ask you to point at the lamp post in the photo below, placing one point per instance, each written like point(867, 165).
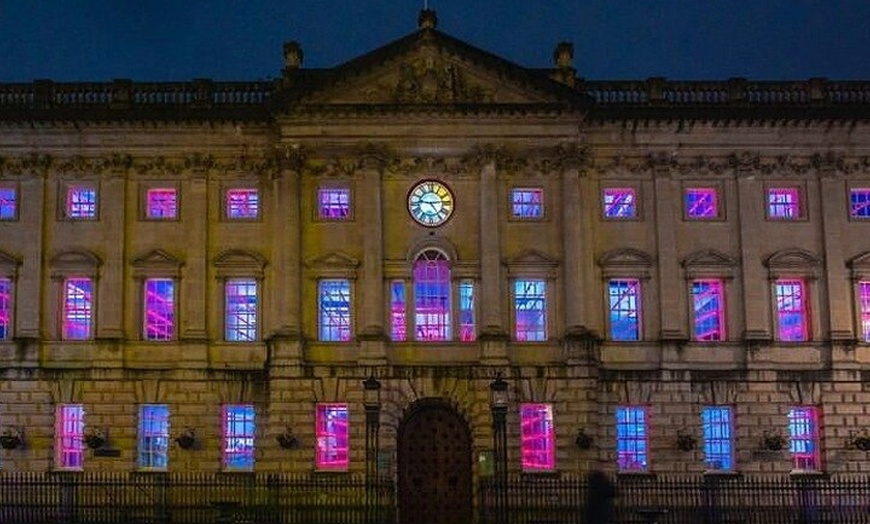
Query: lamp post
point(498, 390)
point(372, 404)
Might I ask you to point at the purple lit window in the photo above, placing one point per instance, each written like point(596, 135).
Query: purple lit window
point(81, 202)
point(864, 299)
point(791, 310)
point(397, 310)
point(432, 296)
point(334, 203)
point(78, 308)
point(624, 303)
point(530, 307)
point(859, 200)
point(334, 307)
point(5, 308)
point(708, 310)
point(8, 203)
point(803, 433)
point(161, 203)
point(69, 431)
point(240, 316)
point(238, 437)
point(632, 433)
point(718, 438)
point(242, 203)
point(332, 437)
point(527, 203)
point(702, 202)
point(783, 203)
point(467, 324)
point(159, 322)
point(538, 437)
point(620, 203)
point(153, 438)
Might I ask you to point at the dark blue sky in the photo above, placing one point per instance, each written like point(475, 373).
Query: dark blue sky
point(98, 40)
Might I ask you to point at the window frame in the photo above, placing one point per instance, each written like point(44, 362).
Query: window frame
point(530, 191)
point(795, 190)
point(256, 309)
point(15, 205)
point(226, 205)
point(607, 190)
point(798, 425)
point(714, 442)
point(319, 208)
point(324, 438)
point(146, 188)
point(89, 309)
point(69, 437)
point(146, 324)
point(544, 329)
point(530, 456)
point(643, 465)
point(637, 284)
point(67, 191)
point(804, 311)
point(441, 261)
point(715, 190)
point(150, 455)
point(398, 310)
point(348, 317)
point(862, 297)
point(721, 313)
point(247, 415)
point(7, 307)
point(850, 198)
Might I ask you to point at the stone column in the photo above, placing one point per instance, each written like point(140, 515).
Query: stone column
point(110, 313)
point(672, 306)
point(493, 336)
point(193, 283)
point(31, 274)
point(573, 225)
point(371, 222)
point(754, 278)
point(834, 213)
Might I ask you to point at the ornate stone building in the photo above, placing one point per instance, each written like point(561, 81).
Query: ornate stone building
point(670, 277)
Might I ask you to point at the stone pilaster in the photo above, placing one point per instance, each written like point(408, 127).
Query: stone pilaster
point(193, 281)
point(30, 280)
point(754, 281)
point(835, 215)
point(110, 314)
point(286, 272)
point(672, 307)
point(573, 224)
point(493, 336)
point(372, 335)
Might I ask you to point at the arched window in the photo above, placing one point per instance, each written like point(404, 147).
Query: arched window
point(432, 296)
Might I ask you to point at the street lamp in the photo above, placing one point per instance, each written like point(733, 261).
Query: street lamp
point(372, 404)
point(498, 404)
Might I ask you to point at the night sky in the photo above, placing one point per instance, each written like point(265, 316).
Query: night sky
point(162, 40)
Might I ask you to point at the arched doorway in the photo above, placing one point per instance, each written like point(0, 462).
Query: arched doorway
point(434, 465)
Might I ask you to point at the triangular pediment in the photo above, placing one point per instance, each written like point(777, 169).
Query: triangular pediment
point(430, 68)
point(532, 257)
point(156, 258)
point(335, 260)
point(792, 258)
point(709, 258)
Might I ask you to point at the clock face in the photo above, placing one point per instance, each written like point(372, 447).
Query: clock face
point(430, 203)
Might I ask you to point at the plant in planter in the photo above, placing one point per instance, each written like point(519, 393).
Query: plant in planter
point(686, 441)
point(772, 441)
point(96, 438)
point(186, 438)
point(583, 441)
point(11, 438)
point(287, 440)
point(861, 441)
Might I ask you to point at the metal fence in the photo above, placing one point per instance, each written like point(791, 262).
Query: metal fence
point(188, 498)
point(711, 499)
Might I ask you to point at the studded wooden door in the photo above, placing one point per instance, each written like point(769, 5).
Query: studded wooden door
point(434, 466)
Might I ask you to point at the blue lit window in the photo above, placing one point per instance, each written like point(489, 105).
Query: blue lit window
point(8, 203)
point(334, 309)
point(530, 308)
point(153, 445)
point(803, 436)
point(334, 203)
point(718, 438)
point(467, 324)
point(527, 202)
point(783, 203)
point(620, 203)
point(632, 433)
point(240, 295)
point(702, 202)
point(5, 308)
point(81, 202)
point(624, 305)
point(859, 200)
point(238, 437)
point(432, 296)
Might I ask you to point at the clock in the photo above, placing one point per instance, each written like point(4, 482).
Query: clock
point(430, 203)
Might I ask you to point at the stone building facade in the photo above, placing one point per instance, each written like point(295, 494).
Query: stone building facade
point(576, 192)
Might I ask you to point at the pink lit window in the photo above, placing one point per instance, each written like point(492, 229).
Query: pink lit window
point(5, 308)
point(791, 310)
point(335, 310)
point(68, 436)
point(332, 437)
point(624, 303)
point(803, 433)
point(333, 203)
point(467, 323)
point(397, 310)
point(159, 322)
point(242, 203)
point(78, 308)
point(783, 203)
point(859, 200)
point(161, 203)
point(864, 299)
point(620, 203)
point(702, 202)
point(708, 310)
point(238, 437)
point(527, 203)
point(81, 202)
point(8, 203)
point(432, 296)
point(632, 438)
point(240, 296)
point(530, 308)
point(538, 437)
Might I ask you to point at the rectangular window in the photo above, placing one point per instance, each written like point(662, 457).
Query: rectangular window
point(333, 203)
point(538, 437)
point(153, 445)
point(161, 203)
point(708, 310)
point(859, 200)
point(530, 308)
point(78, 308)
point(527, 203)
point(240, 296)
point(159, 315)
point(624, 304)
point(238, 437)
point(8, 203)
point(783, 203)
point(242, 204)
point(397, 311)
point(718, 438)
point(69, 436)
point(467, 323)
point(81, 202)
point(432, 299)
point(791, 310)
point(864, 301)
point(632, 433)
point(332, 436)
point(803, 433)
point(620, 202)
point(334, 308)
point(702, 202)
point(5, 308)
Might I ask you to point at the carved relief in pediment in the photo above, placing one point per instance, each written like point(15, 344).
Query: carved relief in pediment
point(436, 81)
